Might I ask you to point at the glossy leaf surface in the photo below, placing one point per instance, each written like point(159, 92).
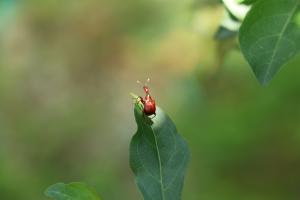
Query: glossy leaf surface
point(158, 156)
point(269, 36)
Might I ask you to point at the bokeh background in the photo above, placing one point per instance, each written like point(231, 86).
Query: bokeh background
point(66, 71)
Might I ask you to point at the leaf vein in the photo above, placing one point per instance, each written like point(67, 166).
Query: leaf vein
point(284, 28)
point(160, 165)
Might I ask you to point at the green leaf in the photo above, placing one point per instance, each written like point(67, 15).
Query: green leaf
point(236, 10)
point(247, 2)
point(270, 36)
point(71, 191)
point(224, 33)
point(158, 156)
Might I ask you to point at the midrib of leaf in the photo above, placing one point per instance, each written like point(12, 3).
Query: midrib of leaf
point(159, 162)
point(280, 36)
point(160, 167)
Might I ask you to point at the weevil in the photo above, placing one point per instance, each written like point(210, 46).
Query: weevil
point(148, 102)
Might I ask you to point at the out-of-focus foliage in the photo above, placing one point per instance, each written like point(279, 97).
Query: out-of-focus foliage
point(71, 191)
point(66, 68)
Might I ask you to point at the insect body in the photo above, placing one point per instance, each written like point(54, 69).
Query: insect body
point(148, 102)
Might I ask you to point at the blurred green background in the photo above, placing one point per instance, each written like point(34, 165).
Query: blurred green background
point(66, 70)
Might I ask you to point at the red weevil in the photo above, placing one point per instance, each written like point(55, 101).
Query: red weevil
point(148, 101)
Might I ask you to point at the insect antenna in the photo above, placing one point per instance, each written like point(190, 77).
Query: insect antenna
point(147, 81)
point(145, 87)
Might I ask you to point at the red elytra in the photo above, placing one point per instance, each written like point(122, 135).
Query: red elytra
point(148, 102)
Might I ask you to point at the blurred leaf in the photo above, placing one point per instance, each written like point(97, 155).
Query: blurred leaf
point(158, 156)
point(7, 11)
point(269, 36)
point(236, 10)
point(224, 33)
point(248, 2)
point(71, 191)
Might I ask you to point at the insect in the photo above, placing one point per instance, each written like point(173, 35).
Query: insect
point(148, 101)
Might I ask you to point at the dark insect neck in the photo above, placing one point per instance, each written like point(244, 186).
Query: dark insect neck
point(148, 97)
